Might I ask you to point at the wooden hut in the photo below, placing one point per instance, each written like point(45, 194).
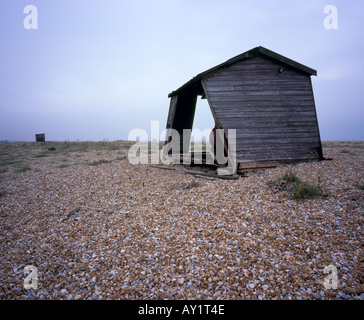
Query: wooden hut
point(266, 97)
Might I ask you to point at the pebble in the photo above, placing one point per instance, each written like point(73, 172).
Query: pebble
point(64, 292)
point(344, 296)
point(149, 233)
point(316, 296)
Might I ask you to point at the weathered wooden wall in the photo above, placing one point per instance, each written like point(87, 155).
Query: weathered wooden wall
point(181, 115)
point(274, 112)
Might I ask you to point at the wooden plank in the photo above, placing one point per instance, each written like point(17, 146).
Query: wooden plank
point(241, 113)
point(275, 153)
point(221, 102)
point(259, 103)
point(262, 93)
point(256, 164)
point(318, 130)
point(259, 110)
point(275, 89)
point(255, 80)
point(260, 107)
point(247, 87)
point(270, 73)
point(255, 61)
point(246, 145)
point(251, 123)
point(272, 130)
point(228, 87)
point(264, 114)
point(248, 166)
point(241, 123)
point(228, 75)
point(288, 159)
point(277, 69)
point(250, 153)
point(261, 142)
point(276, 156)
point(274, 143)
point(255, 148)
point(304, 136)
point(276, 138)
point(260, 156)
point(241, 98)
point(282, 94)
point(276, 147)
point(276, 150)
point(268, 117)
point(274, 121)
point(271, 121)
point(283, 160)
point(267, 122)
point(249, 80)
point(172, 111)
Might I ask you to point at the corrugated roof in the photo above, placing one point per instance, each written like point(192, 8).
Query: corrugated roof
point(257, 51)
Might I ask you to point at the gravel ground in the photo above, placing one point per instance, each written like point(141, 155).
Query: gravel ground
point(97, 227)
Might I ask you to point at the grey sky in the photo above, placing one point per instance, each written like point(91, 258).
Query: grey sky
point(95, 70)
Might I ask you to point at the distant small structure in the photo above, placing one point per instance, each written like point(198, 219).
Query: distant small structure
point(40, 137)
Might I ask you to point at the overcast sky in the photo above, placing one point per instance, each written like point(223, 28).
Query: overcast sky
point(97, 69)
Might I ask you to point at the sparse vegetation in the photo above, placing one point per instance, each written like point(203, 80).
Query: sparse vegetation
point(287, 177)
point(41, 155)
point(64, 165)
point(18, 157)
point(2, 193)
point(295, 187)
point(290, 176)
point(360, 186)
point(3, 170)
point(113, 147)
point(185, 186)
point(24, 168)
point(98, 162)
point(303, 190)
